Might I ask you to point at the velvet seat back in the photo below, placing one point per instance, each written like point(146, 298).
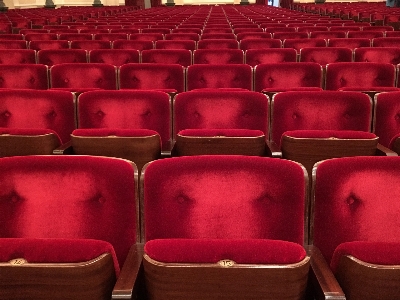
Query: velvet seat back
point(51, 57)
point(355, 199)
point(273, 55)
point(15, 56)
point(116, 57)
point(324, 110)
point(247, 44)
point(42, 109)
point(387, 116)
point(218, 44)
point(224, 197)
point(218, 56)
point(147, 76)
point(219, 76)
point(215, 109)
point(289, 75)
point(126, 109)
point(325, 55)
point(176, 44)
point(84, 76)
point(168, 56)
point(389, 55)
point(24, 76)
point(359, 74)
point(299, 43)
point(80, 197)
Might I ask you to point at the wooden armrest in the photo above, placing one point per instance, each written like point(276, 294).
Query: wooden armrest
point(384, 151)
point(130, 280)
point(274, 149)
point(64, 149)
point(324, 283)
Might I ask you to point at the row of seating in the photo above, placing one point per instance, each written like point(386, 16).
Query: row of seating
point(246, 214)
point(252, 57)
point(175, 78)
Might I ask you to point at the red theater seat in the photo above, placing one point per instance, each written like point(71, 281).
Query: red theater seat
point(218, 44)
point(167, 56)
point(24, 76)
point(389, 55)
point(17, 56)
point(326, 55)
point(52, 57)
point(255, 57)
point(218, 56)
point(116, 57)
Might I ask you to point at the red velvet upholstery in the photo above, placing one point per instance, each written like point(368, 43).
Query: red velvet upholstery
point(324, 110)
point(248, 251)
point(38, 110)
point(221, 110)
point(90, 45)
point(224, 197)
point(182, 36)
point(110, 36)
point(176, 44)
point(167, 56)
point(149, 76)
point(387, 118)
point(218, 44)
point(44, 250)
point(83, 76)
point(41, 45)
point(359, 74)
point(272, 55)
point(247, 44)
point(277, 76)
point(13, 44)
point(253, 35)
point(40, 36)
point(380, 253)
point(365, 34)
point(303, 43)
point(351, 43)
point(15, 56)
point(75, 36)
point(146, 36)
point(389, 55)
point(206, 36)
point(24, 76)
point(393, 141)
point(219, 76)
point(132, 44)
point(116, 57)
point(51, 57)
point(218, 56)
point(355, 200)
point(386, 42)
point(328, 34)
point(126, 109)
point(290, 35)
point(326, 55)
point(73, 196)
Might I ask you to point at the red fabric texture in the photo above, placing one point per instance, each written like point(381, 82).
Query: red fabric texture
point(99, 132)
point(380, 253)
point(76, 197)
point(391, 144)
point(176, 44)
point(83, 75)
point(325, 55)
point(219, 76)
point(389, 55)
point(272, 55)
point(24, 76)
point(288, 75)
point(55, 250)
point(224, 197)
point(326, 134)
point(351, 43)
point(116, 57)
point(52, 57)
point(152, 76)
point(218, 56)
point(181, 57)
point(15, 56)
point(247, 251)
point(324, 110)
point(224, 109)
point(247, 44)
point(387, 116)
point(90, 45)
point(386, 42)
point(221, 132)
point(52, 44)
point(299, 43)
point(218, 44)
point(38, 110)
point(342, 74)
point(132, 44)
point(126, 110)
point(356, 199)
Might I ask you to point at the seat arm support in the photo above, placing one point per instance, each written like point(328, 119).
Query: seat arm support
point(324, 283)
point(64, 149)
point(130, 281)
point(276, 152)
point(384, 151)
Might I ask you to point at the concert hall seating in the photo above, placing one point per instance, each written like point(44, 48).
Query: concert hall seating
point(255, 57)
point(116, 57)
point(52, 57)
point(326, 55)
point(17, 56)
point(218, 56)
point(167, 56)
point(24, 76)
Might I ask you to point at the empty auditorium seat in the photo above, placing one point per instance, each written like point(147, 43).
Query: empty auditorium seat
point(24, 76)
point(132, 44)
point(326, 55)
point(167, 56)
point(351, 43)
point(150, 76)
point(176, 44)
point(303, 43)
point(378, 54)
point(90, 45)
point(17, 56)
point(52, 57)
point(219, 76)
point(255, 57)
point(52, 44)
point(116, 57)
point(247, 44)
point(218, 44)
point(218, 56)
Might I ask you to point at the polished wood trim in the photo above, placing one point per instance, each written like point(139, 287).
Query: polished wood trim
point(323, 282)
point(361, 280)
point(91, 280)
point(13, 145)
